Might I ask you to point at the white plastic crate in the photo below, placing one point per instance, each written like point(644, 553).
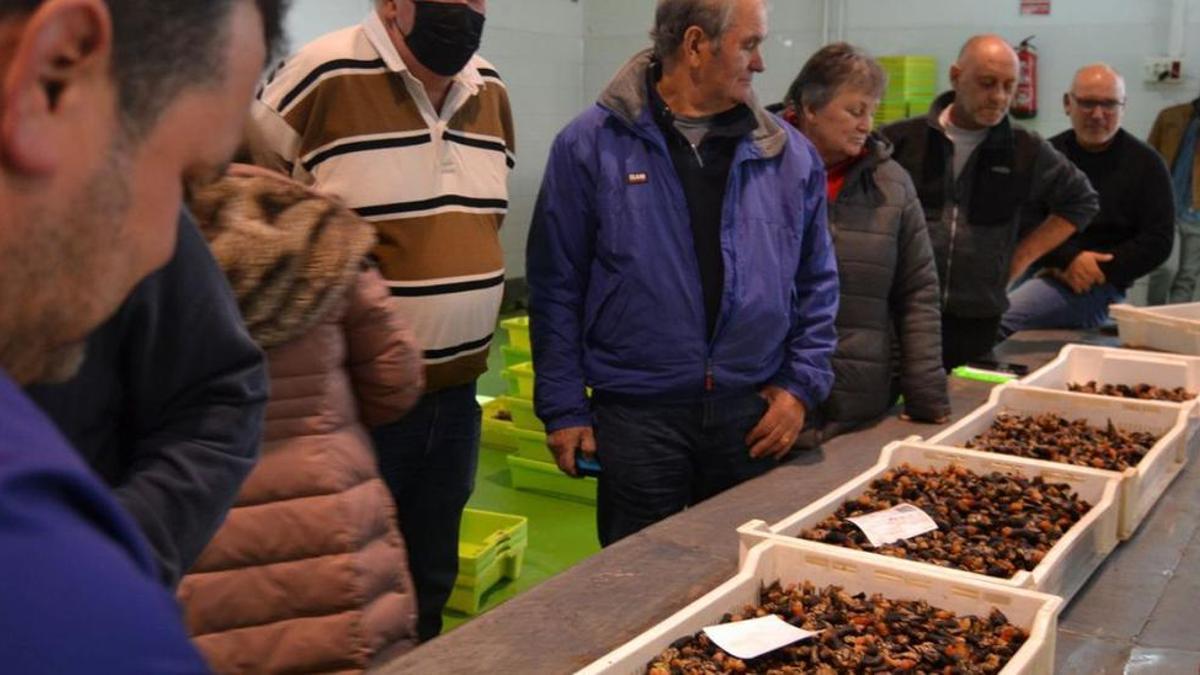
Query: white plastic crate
point(1172, 328)
point(1142, 485)
point(1067, 564)
point(795, 562)
point(1079, 364)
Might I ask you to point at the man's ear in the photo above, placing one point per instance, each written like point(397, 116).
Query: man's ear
point(1067, 104)
point(955, 71)
point(58, 76)
point(694, 40)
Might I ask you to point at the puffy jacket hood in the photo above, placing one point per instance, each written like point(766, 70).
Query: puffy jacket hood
point(289, 255)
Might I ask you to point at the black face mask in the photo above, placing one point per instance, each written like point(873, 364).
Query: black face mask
point(444, 36)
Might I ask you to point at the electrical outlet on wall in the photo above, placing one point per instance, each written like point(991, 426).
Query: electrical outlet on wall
point(1163, 70)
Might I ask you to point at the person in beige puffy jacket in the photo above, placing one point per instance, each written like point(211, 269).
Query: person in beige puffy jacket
point(309, 572)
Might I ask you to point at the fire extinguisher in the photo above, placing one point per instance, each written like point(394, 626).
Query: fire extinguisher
point(1025, 102)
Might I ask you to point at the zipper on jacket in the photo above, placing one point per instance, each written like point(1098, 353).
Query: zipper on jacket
point(950, 256)
point(696, 152)
point(709, 382)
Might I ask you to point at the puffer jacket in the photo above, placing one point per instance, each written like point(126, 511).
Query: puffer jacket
point(309, 572)
point(888, 323)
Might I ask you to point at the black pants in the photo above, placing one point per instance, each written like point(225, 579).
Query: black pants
point(966, 338)
point(428, 461)
point(659, 459)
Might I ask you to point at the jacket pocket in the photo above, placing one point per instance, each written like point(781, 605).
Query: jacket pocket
point(604, 320)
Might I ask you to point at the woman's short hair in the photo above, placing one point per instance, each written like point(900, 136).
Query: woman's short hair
point(835, 65)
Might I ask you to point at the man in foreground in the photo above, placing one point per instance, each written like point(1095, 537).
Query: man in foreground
point(107, 109)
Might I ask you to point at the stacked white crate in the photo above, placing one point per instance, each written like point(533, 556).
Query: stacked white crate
point(1064, 569)
point(1142, 485)
point(1079, 364)
point(1172, 328)
point(788, 563)
point(1120, 501)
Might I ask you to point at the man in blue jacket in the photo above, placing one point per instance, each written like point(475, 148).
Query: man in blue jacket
point(679, 264)
point(107, 108)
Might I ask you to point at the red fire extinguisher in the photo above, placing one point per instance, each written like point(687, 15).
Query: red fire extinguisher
point(1025, 102)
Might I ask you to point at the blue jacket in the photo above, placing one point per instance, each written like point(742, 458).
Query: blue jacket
point(81, 592)
point(614, 285)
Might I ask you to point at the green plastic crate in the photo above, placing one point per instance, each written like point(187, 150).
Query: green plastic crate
point(545, 478)
point(513, 356)
point(497, 433)
point(518, 333)
point(532, 445)
point(920, 106)
point(522, 413)
point(520, 380)
point(491, 547)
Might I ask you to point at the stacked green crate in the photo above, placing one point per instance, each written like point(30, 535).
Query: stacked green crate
point(531, 466)
point(912, 86)
point(491, 547)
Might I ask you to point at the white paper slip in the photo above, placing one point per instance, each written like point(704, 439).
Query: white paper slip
point(754, 637)
point(902, 521)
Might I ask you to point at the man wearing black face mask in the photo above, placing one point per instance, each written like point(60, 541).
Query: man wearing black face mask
point(401, 119)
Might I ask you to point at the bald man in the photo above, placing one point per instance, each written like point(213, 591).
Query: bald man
point(1133, 232)
point(975, 171)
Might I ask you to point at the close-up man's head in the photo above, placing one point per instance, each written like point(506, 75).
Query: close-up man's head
point(1096, 105)
point(718, 42)
point(440, 36)
point(984, 79)
point(108, 108)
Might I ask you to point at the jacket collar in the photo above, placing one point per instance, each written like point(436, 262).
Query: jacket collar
point(626, 97)
point(878, 150)
point(999, 136)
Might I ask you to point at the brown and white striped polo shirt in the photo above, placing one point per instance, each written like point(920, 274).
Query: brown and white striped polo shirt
point(345, 115)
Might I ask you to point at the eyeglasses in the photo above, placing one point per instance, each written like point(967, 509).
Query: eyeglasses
point(1108, 105)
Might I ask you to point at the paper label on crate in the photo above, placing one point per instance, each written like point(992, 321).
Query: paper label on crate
point(754, 637)
point(903, 521)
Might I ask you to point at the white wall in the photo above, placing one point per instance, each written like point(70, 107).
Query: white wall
point(1120, 32)
point(537, 45)
point(1077, 32)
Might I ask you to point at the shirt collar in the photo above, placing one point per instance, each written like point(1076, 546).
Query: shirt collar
point(377, 34)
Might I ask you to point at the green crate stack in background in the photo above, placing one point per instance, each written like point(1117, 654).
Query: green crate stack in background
point(510, 425)
point(912, 86)
point(491, 547)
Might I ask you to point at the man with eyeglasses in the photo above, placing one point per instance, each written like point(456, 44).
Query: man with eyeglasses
point(975, 171)
point(1075, 283)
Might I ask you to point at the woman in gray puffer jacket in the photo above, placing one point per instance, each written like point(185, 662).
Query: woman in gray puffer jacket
point(889, 323)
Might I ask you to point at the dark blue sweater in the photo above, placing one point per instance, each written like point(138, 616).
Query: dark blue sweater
point(168, 406)
point(80, 591)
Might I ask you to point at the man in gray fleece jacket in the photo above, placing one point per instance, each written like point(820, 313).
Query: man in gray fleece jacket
point(974, 171)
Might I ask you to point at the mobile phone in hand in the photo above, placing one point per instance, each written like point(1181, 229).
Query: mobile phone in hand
point(585, 466)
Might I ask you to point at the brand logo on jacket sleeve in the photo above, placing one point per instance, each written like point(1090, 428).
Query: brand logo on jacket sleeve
point(637, 178)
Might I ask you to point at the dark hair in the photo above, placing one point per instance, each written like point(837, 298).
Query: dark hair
point(835, 65)
point(161, 47)
point(672, 18)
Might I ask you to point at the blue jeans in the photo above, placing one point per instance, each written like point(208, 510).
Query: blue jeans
point(428, 460)
point(660, 458)
point(1043, 303)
